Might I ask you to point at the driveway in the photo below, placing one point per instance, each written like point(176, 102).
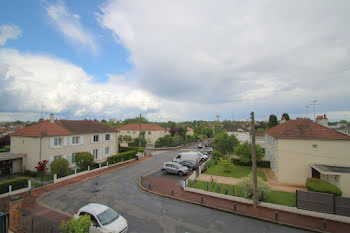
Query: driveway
point(146, 212)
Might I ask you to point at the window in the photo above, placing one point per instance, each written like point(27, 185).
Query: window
point(128, 132)
point(107, 151)
point(75, 140)
point(57, 142)
point(315, 147)
point(148, 140)
point(57, 157)
point(133, 132)
point(107, 137)
point(95, 138)
point(95, 153)
point(73, 157)
point(149, 132)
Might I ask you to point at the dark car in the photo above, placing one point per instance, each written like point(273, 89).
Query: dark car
point(190, 164)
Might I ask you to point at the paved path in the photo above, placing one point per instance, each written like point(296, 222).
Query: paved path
point(146, 212)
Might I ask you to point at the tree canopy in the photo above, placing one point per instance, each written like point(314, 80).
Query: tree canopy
point(245, 152)
point(273, 121)
point(224, 143)
point(286, 116)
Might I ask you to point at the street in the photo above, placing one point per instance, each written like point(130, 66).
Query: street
point(146, 212)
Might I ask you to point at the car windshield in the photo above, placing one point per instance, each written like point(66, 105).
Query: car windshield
point(107, 216)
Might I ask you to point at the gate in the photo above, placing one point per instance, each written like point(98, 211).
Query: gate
point(31, 223)
point(4, 222)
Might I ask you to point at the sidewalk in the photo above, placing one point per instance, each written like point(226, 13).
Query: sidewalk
point(172, 189)
point(32, 203)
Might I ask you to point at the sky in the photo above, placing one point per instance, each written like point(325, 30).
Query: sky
point(174, 60)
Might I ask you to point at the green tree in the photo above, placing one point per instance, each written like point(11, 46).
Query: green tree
point(80, 225)
point(127, 138)
point(245, 152)
point(84, 159)
point(246, 187)
point(286, 116)
point(224, 143)
point(135, 120)
point(273, 121)
point(59, 167)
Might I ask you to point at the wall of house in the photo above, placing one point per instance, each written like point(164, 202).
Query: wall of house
point(295, 157)
point(150, 138)
point(189, 132)
point(344, 181)
point(17, 165)
point(30, 147)
point(271, 152)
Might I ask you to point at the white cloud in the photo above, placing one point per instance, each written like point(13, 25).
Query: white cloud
point(9, 32)
point(70, 26)
point(237, 56)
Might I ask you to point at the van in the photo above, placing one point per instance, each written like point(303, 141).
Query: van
point(193, 156)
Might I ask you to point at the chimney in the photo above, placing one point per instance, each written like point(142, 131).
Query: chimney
point(52, 119)
point(322, 120)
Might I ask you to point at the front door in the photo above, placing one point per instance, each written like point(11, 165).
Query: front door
point(315, 174)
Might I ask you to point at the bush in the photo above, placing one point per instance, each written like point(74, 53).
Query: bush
point(217, 154)
point(5, 149)
point(16, 183)
point(80, 225)
point(246, 186)
point(30, 173)
point(124, 156)
point(261, 163)
point(245, 152)
point(59, 167)
point(131, 148)
point(317, 185)
point(84, 159)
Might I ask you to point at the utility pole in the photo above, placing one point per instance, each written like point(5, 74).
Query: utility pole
point(42, 110)
point(255, 181)
point(314, 103)
point(140, 131)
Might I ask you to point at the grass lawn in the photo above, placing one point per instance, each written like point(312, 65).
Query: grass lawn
point(276, 197)
point(35, 185)
point(236, 171)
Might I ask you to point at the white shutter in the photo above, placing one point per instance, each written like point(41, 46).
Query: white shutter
point(70, 141)
point(111, 137)
point(81, 140)
point(51, 144)
point(92, 138)
point(102, 137)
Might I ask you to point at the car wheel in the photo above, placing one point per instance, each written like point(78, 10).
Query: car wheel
point(181, 173)
point(164, 171)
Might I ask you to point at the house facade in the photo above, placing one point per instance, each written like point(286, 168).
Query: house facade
point(53, 139)
point(189, 131)
point(152, 132)
point(296, 147)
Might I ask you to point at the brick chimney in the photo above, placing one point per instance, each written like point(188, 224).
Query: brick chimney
point(52, 118)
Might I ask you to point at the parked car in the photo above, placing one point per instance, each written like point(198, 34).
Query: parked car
point(200, 146)
point(104, 219)
point(194, 156)
point(202, 156)
point(175, 168)
point(190, 164)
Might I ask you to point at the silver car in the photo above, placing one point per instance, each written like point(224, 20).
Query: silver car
point(175, 168)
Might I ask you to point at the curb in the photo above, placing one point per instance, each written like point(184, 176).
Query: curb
point(39, 202)
point(228, 211)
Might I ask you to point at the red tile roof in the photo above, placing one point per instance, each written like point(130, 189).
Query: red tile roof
point(150, 127)
point(190, 129)
point(61, 128)
point(305, 129)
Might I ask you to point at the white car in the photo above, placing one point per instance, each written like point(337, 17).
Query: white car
point(104, 219)
point(203, 156)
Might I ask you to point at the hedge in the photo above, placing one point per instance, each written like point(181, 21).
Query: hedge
point(261, 163)
point(16, 183)
point(131, 148)
point(124, 156)
point(317, 185)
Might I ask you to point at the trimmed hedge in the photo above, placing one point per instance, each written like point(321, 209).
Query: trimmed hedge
point(261, 163)
point(16, 183)
point(124, 156)
point(317, 185)
point(131, 148)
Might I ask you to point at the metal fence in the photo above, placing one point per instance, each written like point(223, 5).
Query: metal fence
point(31, 223)
point(323, 202)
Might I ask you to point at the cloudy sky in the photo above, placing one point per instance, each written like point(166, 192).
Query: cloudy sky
point(174, 60)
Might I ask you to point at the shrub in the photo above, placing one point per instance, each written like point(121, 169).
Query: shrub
point(226, 163)
point(217, 154)
point(80, 225)
point(30, 173)
point(218, 188)
point(84, 159)
point(261, 163)
point(16, 183)
point(5, 149)
point(59, 167)
point(246, 186)
point(245, 152)
point(124, 156)
point(317, 185)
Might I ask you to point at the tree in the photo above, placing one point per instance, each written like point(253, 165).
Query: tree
point(135, 120)
point(59, 167)
point(127, 138)
point(245, 152)
point(84, 159)
point(224, 143)
point(80, 225)
point(286, 116)
point(41, 169)
point(273, 121)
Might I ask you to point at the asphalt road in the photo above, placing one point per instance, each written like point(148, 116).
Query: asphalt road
point(146, 212)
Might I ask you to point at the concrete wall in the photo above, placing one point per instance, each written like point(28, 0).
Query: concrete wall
point(294, 157)
point(150, 138)
point(344, 181)
point(31, 147)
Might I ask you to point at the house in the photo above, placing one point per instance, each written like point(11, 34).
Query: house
point(298, 149)
point(152, 132)
point(244, 136)
point(189, 131)
point(344, 129)
point(53, 139)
